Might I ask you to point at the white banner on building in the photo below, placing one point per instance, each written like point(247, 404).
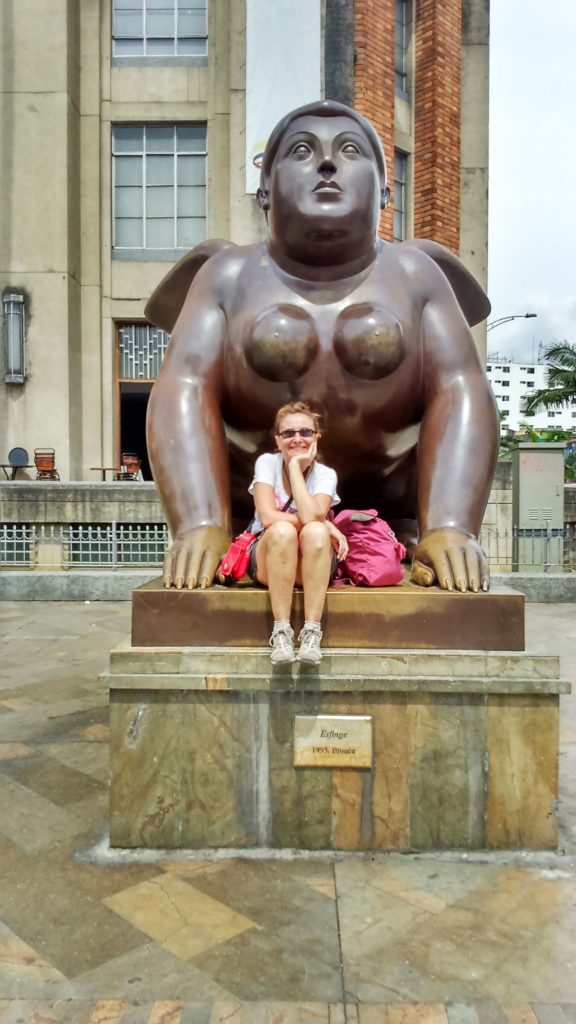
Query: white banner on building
point(283, 65)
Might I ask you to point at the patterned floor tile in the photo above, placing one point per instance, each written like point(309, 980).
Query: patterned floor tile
point(258, 966)
point(183, 920)
point(31, 821)
point(422, 939)
point(23, 971)
point(56, 782)
point(145, 975)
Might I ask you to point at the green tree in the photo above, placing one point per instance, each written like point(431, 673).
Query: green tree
point(561, 385)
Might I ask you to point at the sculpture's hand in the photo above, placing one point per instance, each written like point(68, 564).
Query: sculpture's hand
point(194, 557)
point(453, 559)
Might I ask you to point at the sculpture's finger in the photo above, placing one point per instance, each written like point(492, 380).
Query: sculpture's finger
point(422, 575)
point(195, 559)
point(484, 570)
point(180, 566)
point(167, 574)
point(207, 571)
point(443, 571)
point(473, 568)
point(458, 568)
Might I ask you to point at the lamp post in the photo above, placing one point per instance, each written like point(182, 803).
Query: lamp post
point(506, 319)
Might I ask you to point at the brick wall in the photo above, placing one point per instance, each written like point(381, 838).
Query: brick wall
point(374, 78)
point(437, 121)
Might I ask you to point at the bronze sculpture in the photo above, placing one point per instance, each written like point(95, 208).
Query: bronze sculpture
point(373, 334)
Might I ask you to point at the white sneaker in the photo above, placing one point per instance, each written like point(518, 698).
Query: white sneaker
point(282, 644)
point(310, 638)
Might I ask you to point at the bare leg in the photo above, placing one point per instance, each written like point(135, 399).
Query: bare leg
point(276, 563)
point(316, 551)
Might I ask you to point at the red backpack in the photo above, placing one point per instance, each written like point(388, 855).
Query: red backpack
point(375, 555)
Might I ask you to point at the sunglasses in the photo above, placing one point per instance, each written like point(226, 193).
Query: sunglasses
point(305, 432)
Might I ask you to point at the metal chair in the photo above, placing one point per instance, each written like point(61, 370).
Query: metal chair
point(45, 462)
point(17, 459)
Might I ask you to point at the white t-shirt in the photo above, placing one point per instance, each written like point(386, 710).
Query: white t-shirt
point(268, 470)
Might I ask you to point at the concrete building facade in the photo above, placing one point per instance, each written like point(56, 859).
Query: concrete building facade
point(123, 143)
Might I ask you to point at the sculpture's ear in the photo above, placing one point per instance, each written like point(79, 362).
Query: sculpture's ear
point(263, 199)
point(384, 197)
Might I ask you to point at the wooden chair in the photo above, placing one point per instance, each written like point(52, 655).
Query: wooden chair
point(130, 464)
point(45, 462)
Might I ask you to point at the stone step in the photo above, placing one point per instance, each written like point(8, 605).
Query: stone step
point(247, 661)
point(294, 679)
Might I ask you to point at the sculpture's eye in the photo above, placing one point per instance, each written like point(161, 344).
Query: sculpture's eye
point(301, 149)
point(350, 148)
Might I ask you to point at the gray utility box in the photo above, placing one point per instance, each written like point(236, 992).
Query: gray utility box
point(538, 506)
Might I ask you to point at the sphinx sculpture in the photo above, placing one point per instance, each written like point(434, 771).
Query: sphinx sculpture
point(375, 335)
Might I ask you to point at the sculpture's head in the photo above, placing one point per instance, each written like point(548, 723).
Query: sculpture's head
point(325, 162)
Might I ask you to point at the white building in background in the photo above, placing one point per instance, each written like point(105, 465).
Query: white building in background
point(512, 381)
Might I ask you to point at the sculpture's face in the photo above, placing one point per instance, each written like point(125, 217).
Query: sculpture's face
point(325, 170)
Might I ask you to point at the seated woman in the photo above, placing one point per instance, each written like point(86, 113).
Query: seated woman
point(293, 494)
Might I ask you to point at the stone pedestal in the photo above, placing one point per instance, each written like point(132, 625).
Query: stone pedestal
point(464, 750)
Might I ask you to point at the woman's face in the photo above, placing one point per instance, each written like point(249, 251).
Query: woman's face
point(296, 445)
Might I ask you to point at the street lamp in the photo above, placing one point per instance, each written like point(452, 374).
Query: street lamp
point(14, 337)
point(506, 319)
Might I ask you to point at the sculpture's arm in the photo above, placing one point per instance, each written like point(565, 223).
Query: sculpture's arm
point(457, 449)
point(186, 439)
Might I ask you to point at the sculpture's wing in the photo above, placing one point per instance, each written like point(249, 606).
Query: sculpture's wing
point(473, 300)
point(164, 305)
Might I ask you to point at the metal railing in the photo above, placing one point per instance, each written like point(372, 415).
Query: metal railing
point(122, 546)
point(82, 546)
point(542, 549)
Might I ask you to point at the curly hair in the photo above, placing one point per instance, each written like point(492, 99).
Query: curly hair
point(296, 407)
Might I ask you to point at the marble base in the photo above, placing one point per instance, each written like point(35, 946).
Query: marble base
point(465, 750)
point(389, 617)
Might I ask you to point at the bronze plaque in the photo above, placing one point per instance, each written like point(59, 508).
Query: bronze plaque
point(332, 741)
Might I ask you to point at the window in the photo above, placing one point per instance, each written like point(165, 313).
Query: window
point(401, 44)
point(529, 383)
point(400, 195)
point(505, 369)
point(505, 398)
point(505, 383)
point(488, 369)
point(159, 182)
point(161, 30)
point(530, 369)
point(142, 349)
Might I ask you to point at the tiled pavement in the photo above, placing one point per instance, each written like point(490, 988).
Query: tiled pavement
point(452, 939)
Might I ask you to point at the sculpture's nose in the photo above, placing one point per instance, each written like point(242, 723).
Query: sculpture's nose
point(326, 165)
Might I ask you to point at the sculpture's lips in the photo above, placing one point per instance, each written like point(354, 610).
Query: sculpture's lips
point(324, 186)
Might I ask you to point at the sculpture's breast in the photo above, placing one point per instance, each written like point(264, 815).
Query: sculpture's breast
point(282, 343)
point(368, 341)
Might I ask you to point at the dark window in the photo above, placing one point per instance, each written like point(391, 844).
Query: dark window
point(401, 44)
point(162, 29)
point(159, 181)
point(400, 195)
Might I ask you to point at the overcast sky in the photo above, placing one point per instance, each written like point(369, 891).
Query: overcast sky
point(532, 231)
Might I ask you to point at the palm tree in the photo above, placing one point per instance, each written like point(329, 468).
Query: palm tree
point(561, 389)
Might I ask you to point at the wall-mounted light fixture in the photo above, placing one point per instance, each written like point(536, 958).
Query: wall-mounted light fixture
point(14, 337)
